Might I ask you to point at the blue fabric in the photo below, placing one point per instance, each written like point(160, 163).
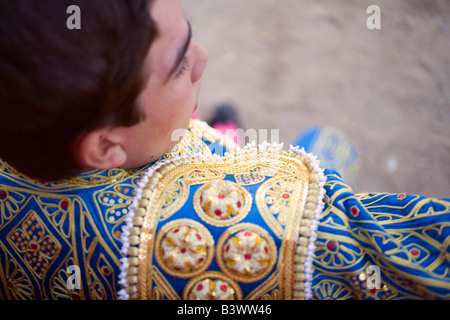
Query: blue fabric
point(405, 236)
point(333, 148)
point(46, 228)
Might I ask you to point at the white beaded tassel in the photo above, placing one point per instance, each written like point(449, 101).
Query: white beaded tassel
point(310, 255)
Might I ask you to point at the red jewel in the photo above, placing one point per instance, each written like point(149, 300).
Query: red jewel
point(331, 245)
point(200, 260)
point(199, 287)
point(373, 290)
point(220, 196)
point(223, 287)
point(65, 205)
point(199, 237)
point(3, 195)
point(176, 230)
point(106, 271)
point(227, 248)
point(183, 250)
point(217, 212)
point(247, 256)
point(34, 246)
point(117, 233)
point(266, 249)
point(285, 195)
point(415, 252)
point(248, 234)
point(239, 204)
point(401, 196)
point(354, 211)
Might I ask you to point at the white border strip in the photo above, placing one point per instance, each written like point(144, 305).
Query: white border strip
point(315, 164)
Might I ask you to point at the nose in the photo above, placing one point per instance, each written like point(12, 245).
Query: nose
point(201, 60)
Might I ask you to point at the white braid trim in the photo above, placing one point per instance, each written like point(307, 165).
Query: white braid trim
point(122, 294)
point(315, 164)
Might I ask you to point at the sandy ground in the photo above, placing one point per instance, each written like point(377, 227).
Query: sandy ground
point(293, 64)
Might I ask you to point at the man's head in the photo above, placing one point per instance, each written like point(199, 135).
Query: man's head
point(107, 95)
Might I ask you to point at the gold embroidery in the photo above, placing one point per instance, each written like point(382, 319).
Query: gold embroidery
point(162, 289)
point(255, 175)
point(212, 286)
point(246, 252)
point(222, 203)
point(177, 192)
point(84, 218)
point(329, 289)
point(17, 281)
point(59, 287)
point(34, 244)
point(166, 193)
point(267, 290)
point(184, 248)
point(273, 198)
point(10, 203)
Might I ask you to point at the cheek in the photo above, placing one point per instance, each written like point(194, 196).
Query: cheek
point(168, 105)
point(181, 97)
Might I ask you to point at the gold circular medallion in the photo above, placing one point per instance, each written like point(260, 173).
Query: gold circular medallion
point(246, 252)
point(212, 286)
point(184, 248)
point(222, 203)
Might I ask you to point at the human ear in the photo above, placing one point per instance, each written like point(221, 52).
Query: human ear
point(101, 149)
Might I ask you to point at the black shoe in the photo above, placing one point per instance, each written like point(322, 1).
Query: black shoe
point(225, 113)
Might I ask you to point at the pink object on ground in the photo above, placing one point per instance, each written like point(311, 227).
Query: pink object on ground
point(229, 128)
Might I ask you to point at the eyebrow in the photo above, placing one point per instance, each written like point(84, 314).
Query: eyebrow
point(181, 53)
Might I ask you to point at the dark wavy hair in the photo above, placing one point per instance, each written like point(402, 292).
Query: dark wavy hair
point(56, 83)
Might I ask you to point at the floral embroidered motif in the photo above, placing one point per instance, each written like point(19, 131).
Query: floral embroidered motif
point(246, 252)
point(184, 248)
point(10, 203)
point(222, 203)
point(18, 282)
point(279, 198)
point(38, 248)
point(212, 286)
point(328, 289)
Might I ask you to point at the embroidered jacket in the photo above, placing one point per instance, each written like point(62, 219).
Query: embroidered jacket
point(259, 223)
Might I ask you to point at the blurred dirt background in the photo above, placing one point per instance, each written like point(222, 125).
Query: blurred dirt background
point(293, 64)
